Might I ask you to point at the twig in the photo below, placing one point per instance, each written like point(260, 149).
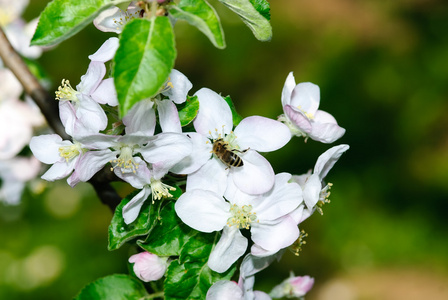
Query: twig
point(48, 107)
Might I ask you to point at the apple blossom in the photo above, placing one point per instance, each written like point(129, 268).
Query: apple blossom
point(148, 266)
point(265, 215)
point(300, 106)
point(113, 19)
point(293, 287)
point(214, 122)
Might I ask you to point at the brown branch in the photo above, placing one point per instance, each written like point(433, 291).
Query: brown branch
point(48, 107)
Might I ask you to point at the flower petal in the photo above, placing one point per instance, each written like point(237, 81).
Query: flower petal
point(298, 119)
point(107, 50)
point(275, 235)
point(290, 83)
point(214, 116)
point(105, 93)
point(59, 170)
point(224, 289)
point(132, 208)
point(90, 163)
point(141, 117)
point(46, 147)
point(312, 190)
point(92, 78)
point(261, 134)
point(200, 154)
point(211, 177)
point(306, 97)
point(256, 176)
point(230, 247)
point(90, 114)
point(327, 160)
point(168, 116)
point(181, 85)
point(203, 210)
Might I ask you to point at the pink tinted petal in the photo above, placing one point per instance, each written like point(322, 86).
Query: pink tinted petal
point(203, 210)
point(141, 118)
point(200, 154)
point(105, 93)
point(46, 147)
point(298, 119)
point(59, 170)
point(306, 97)
point(290, 83)
point(224, 289)
point(256, 176)
point(230, 247)
point(259, 295)
point(282, 199)
point(214, 114)
point(212, 177)
point(327, 160)
point(262, 134)
point(181, 85)
point(258, 251)
point(107, 50)
point(90, 114)
point(275, 235)
point(90, 163)
point(132, 208)
point(326, 133)
point(148, 267)
point(168, 116)
point(312, 190)
point(91, 80)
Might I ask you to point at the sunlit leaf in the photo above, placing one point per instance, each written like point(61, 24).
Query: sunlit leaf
point(189, 110)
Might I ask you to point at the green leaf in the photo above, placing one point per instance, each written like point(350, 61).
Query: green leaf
point(254, 19)
point(113, 287)
point(235, 115)
point(263, 7)
point(189, 111)
point(202, 15)
point(120, 232)
point(143, 60)
point(169, 235)
point(190, 277)
point(62, 19)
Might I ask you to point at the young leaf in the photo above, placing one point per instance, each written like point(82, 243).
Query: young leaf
point(143, 60)
point(255, 20)
point(120, 232)
point(202, 15)
point(113, 287)
point(235, 115)
point(188, 112)
point(190, 277)
point(263, 7)
point(169, 235)
point(62, 19)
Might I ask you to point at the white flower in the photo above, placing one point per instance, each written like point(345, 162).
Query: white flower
point(114, 19)
point(14, 173)
point(315, 192)
point(214, 123)
point(300, 104)
point(293, 287)
point(266, 216)
point(148, 266)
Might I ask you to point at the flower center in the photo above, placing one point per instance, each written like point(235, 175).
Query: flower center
point(160, 190)
point(65, 92)
point(292, 127)
point(323, 198)
point(71, 151)
point(125, 17)
point(307, 114)
point(241, 217)
point(125, 160)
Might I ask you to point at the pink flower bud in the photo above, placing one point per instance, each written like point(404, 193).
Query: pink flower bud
point(148, 266)
point(294, 286)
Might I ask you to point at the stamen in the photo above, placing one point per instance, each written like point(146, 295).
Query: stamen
point(242, 217)
point(71, 151)
point(160, 190)
point(296, 247)
point(65, 92)
point(125, 161)
point(323, 198)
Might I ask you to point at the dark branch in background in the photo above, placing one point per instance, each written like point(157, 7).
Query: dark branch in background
point(48, 107)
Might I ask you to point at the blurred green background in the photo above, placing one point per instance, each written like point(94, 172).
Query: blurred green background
point(382, 67)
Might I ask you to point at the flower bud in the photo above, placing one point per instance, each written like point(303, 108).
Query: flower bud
point(293, 287)
point(148, 266)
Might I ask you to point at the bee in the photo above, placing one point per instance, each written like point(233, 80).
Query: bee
point(227, 156)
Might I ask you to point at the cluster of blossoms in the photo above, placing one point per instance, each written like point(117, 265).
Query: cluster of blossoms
point(18, 116)
point(229, 186)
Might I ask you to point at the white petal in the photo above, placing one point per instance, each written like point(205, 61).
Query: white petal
point(107, 50)
point(224, 289)
point(141, 118)
point(214, 114)
point(90, 114)
point(181, 85)
point(168, 116)
point(256, 176)
point(326, 132)
point(46, 147)
point(67, 114)
point(59, 170)
point(261, 134)
point(90, 163)
point(200, 154)
point(258, 251)
point(251, 264)
point(211, 177)
point(140, 178)
point(327, 160)
point(306, 97)
point(132, 208)
point(203, 210)
point(106, 20)
point(275, 235)
point(290, 83)
point(312, 190)
point(92, 78)
point(230, 247)
point(105, 93)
